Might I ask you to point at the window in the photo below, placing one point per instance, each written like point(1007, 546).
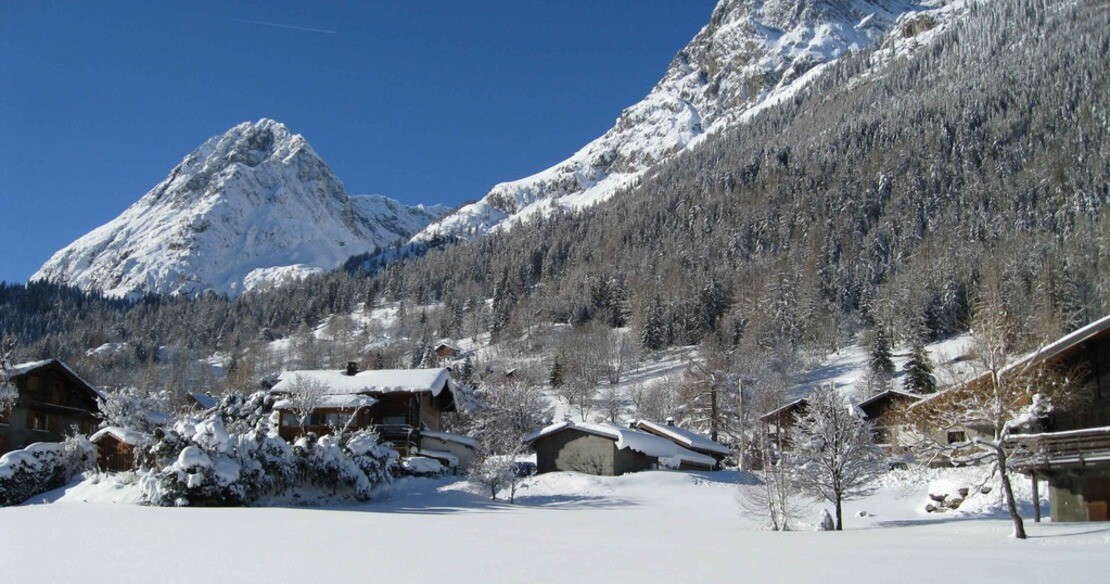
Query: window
point(38, 421)
point(957, 436)
point(57, 394)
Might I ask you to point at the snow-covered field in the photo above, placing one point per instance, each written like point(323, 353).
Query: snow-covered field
point(565, 527)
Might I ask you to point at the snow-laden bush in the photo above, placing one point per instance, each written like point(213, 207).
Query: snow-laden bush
point(377, 461)
point(325, 464)
point(43, 466)
point(203, 463)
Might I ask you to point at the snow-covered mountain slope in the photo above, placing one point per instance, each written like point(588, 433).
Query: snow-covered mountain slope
point(751, 54)
point(247, 208)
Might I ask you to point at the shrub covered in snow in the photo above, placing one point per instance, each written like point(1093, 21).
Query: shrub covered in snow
point(43, 466)
point(203, 463)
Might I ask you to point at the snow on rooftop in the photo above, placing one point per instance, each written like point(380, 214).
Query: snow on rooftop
point(890, 393)
point(204, 400)
point(124, 435)
point(338, 382)
point(448, 437)
point(1063, 343)
point(666, 451)
point(685, 437)
point(24, 368)
point(339, 402)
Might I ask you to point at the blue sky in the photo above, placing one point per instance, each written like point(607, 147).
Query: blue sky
point(428, 102)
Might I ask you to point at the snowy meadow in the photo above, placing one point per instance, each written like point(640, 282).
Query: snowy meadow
point(565, 527)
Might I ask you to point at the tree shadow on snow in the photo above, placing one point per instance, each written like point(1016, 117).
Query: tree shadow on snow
point(447, 497)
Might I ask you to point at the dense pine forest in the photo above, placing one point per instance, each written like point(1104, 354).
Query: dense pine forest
point(891, 194)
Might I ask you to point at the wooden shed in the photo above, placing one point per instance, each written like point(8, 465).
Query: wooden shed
point(119, 450)
point(604, 449)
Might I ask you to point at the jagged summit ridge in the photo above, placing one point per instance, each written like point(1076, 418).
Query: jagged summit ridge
point(249, 207)
point(751, 54)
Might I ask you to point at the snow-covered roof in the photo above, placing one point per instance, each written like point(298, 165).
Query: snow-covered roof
point(339, 402)
point(372, 381)
point(649, 444)
point(786, 408)
point(447, 344)
point(204, 400)
point(684, 437)
point(132, 437)
point(25, 368)
point(1062, 344)
point(1046, 352)
point(448, 437)
point(890, 393)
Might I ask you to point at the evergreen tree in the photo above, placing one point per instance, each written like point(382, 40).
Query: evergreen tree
point(880, 360)
point(919, 371)
point(556, 376)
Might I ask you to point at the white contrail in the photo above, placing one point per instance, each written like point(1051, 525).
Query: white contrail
point(289, 26)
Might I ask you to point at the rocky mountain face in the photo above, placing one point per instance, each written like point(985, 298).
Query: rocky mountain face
point(248, 208)
point(752, 54)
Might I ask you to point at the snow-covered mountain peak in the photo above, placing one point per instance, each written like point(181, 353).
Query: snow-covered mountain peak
point(250, 207)
point(751, 54)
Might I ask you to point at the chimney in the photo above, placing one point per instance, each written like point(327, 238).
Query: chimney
point(352, 367)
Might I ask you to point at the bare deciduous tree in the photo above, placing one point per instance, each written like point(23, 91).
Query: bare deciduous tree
point(1004, 395)
point(305, 395)
point(777, 499)
point(833, 452)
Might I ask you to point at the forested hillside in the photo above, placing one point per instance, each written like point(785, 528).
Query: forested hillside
point(889, 194)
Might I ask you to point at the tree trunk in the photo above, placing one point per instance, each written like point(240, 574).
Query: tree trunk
point(713, 414)
point(839, 514)
point(1008, 492)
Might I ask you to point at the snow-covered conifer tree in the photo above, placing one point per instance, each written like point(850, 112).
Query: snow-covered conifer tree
point(919, 376)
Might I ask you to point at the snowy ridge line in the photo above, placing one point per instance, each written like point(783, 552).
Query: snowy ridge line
point(253, 207)
point(751, 56)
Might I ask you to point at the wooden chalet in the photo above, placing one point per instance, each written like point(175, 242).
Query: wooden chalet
point(605, 449)
point(447, 351)
point(53, 400)
point(1072, 448)
point(404, 406)
point(882, 411)
point(777, 422)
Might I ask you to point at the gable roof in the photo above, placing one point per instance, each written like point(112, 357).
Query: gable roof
point(1058, 349)
point(23, 369)
point(776, 413)
point(649, 444)
point(1064, 345)
point(890, 394)
point(684, 437)
point(372, 381)
point(131, 437)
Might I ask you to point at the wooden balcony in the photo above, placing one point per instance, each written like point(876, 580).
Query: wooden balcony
point(1055, 450)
